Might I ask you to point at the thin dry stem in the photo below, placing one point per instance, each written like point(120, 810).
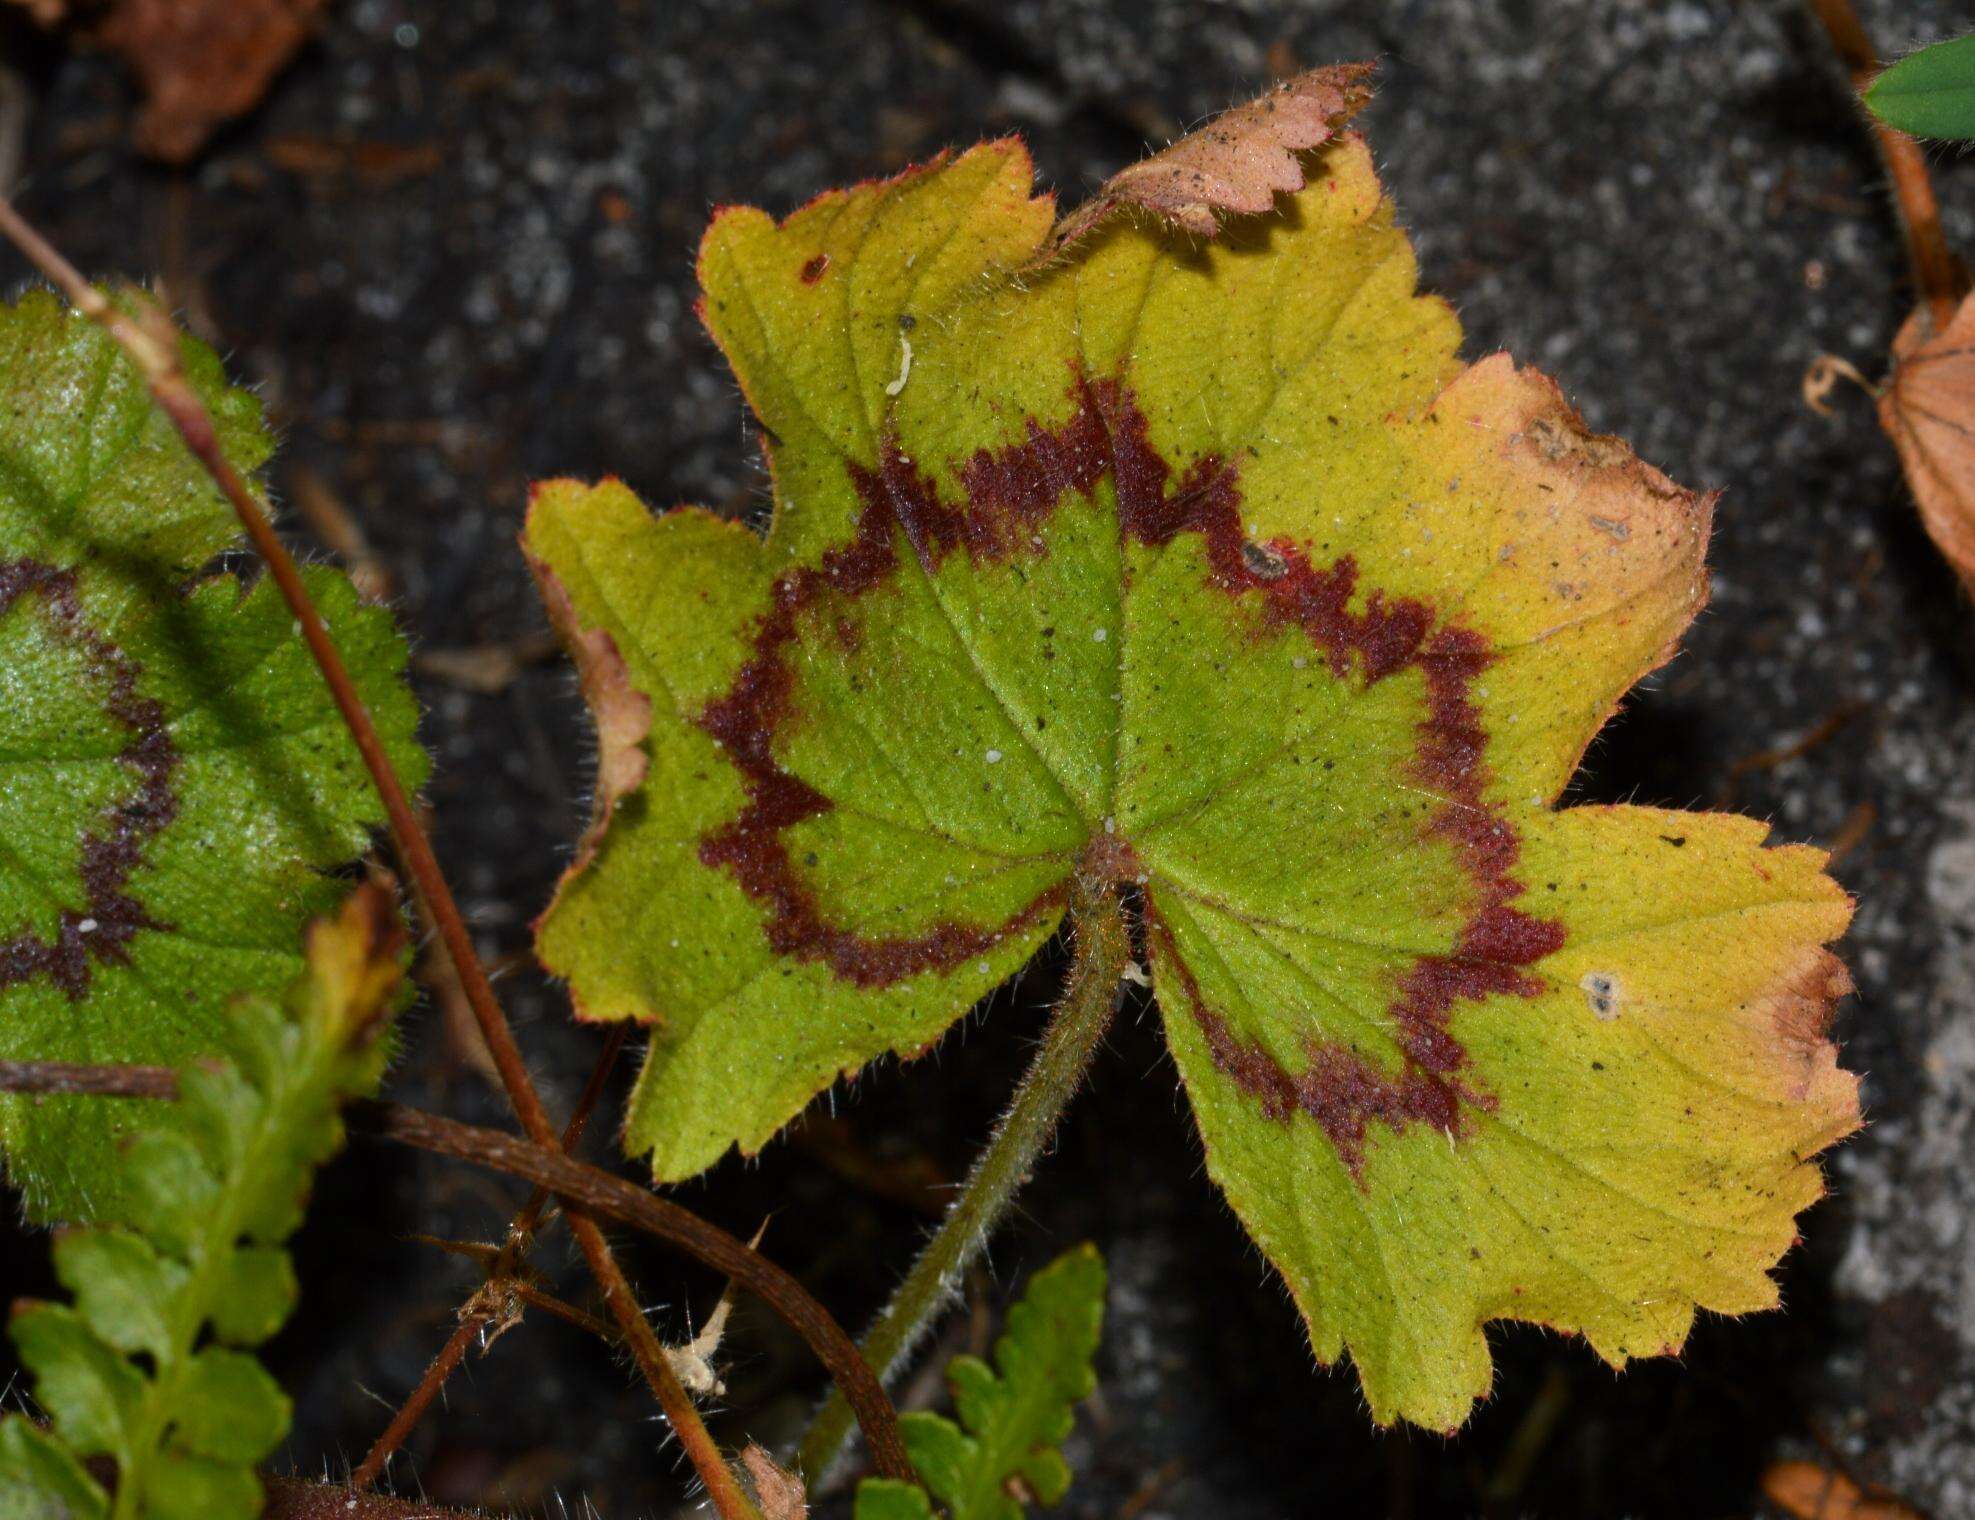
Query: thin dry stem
point(63, 1078)
point(606, 1196)
point(578, 1184)
point(477, 1311)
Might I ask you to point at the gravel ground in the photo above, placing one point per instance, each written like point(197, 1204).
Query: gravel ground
point(1668, 204)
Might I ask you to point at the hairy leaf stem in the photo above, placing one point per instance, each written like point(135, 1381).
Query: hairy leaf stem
point(1076, 1027)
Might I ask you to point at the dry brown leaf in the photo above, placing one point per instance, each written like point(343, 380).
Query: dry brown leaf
point(1239, 162)
point(1811, 1492)
point(1928, 407)
point(198, 62)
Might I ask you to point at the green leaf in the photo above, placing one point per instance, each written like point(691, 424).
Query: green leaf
point(1016, 1413)
point(122, 1287)
point(41, 1479)
point(230, 1409)
point(91, 1393)
point(255, 1297)
point(1208, 571)
point(177, 777)
point(130, 1372)
point(1930, 93)
point(889, 1499)
point(170, 1191)
point(193, 1488)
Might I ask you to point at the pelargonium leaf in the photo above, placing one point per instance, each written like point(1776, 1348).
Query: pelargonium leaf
point(1210, 571)
point(177, 779)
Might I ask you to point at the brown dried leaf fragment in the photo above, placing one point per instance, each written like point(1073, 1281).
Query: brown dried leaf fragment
point(1811, 1492)
point(1239, 162)
point(1928, 406)
point(198, 62)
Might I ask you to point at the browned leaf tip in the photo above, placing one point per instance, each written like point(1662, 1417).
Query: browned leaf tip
point(1928, 407)
point(1239, 162)
point(622, 712)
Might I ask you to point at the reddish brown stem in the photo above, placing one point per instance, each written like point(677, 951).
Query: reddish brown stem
point(474, 1315)
point(568, 1313)
point(611, 1197)
point(156, 355)
point(1937, 273)
point(61, 1078)
point(577, 1183)
point(522, 1231)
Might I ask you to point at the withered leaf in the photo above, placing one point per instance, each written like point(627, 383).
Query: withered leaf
point(1239, 162)
point(198, 62)
point(1928, 406)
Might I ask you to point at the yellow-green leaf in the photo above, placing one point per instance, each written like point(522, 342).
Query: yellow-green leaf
point(1209, 571)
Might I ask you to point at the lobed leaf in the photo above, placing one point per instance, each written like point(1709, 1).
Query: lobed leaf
point(177, 777)
point(1016, 1414)
point(1211, 572)
point(892, 1499)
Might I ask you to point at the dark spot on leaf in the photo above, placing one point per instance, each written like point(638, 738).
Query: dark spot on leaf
point(1263, 562)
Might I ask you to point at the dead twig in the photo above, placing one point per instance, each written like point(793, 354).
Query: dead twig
point(475, 1314)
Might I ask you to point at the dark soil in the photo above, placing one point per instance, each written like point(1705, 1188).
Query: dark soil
point(454, 251)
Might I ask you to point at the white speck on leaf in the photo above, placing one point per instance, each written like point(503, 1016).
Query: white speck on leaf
point(904, 367)
point(994, 757)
